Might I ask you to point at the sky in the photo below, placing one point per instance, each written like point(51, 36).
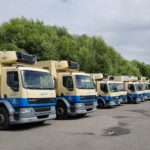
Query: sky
point(123, 24)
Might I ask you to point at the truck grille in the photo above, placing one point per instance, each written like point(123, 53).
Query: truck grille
point(88, 97)
point(43, 116)
point(88, 104)
point(42, 109)
point(40, 100)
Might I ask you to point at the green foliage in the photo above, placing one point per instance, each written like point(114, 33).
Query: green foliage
point(52, 42)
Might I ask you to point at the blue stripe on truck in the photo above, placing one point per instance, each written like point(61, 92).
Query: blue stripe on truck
point(23, 102)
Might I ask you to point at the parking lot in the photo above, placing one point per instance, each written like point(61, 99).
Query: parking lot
point(125, 127)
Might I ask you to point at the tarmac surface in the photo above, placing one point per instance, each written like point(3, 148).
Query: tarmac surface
point(125, 127)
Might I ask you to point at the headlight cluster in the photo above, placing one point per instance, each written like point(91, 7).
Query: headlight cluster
point(95, 104)
point(26, 110)
point(53, 108)
point(79, 105)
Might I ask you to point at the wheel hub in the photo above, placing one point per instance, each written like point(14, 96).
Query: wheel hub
point(60, 111)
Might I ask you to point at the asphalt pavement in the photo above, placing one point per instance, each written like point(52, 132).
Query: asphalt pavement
point(125, 127)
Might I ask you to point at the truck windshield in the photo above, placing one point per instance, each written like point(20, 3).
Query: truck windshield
point(84, 82)
point(113, 87)
point(120, 87)
point(37, 80)
point(138, 87)
point(145, 87)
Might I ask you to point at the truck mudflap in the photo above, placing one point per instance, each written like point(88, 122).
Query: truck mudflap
point(29, 117)
point(83, 108)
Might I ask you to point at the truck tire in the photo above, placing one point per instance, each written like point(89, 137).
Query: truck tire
point(100, 104)
point(4, 119)
point(61, 111)
point(130, 100)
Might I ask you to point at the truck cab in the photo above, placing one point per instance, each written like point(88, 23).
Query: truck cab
point(122, 93)
point(107, 91)
point(76, 95)
point(134, 92)
point(27, 93)
point(146, 90)
point(145, 87)
point(77, 90)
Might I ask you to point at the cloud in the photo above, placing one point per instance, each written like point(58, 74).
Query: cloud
point(124, 24)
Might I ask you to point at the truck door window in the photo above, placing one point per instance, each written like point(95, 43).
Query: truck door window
point(131, 87)
point(104, 88)
point(68, 83)
point(13, 80)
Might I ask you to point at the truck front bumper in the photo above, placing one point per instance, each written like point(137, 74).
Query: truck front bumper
point(29, 117)
point(146, 97)
point(123, 100)
point(113, 103)
point(83, 108)
point(139, 100)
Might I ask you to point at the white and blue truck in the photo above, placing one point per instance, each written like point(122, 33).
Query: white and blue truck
point(133, 88)
point(146, 87)
point(107, 91)
point(76, 95)
point(27, 93)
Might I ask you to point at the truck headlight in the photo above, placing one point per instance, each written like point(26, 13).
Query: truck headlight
point(26, 110)
point(53, 108)
point(95, 104)
point(79, 105)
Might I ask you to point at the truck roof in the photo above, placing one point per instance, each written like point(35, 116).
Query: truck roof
point(108, 81)
point(75, 73)
point(30, 68)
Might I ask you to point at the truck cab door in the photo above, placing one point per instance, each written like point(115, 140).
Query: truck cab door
point(103, 89)
point(66, 86)
point(11, 84)
point(131, 88)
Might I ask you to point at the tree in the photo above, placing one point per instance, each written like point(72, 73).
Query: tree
point(53, 42)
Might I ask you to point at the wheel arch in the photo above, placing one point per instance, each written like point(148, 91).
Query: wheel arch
point(102, 100)
point(63, 100)
point(7, 106)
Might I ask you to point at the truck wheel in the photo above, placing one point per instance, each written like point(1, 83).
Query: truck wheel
point(4, 119)
point(100, 104)
point(130, 100)
point(61, 111)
